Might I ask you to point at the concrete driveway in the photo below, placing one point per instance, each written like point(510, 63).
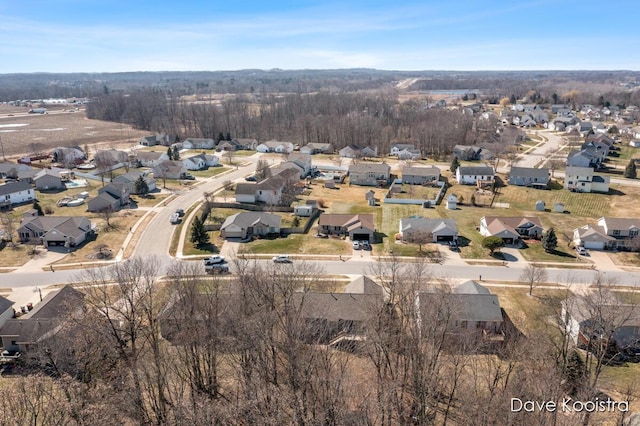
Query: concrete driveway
point(601, 260)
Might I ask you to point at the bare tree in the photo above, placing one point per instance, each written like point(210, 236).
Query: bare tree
point(9, 227)
point(420, 237)
point(534, 276)
point(262, 169)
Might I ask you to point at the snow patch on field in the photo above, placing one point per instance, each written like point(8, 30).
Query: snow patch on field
point(14, 125)
point(57, 129)
point(7, 131)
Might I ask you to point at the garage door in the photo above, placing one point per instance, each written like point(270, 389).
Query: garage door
point(55, 243)
point(445, 237)
point(360, 237)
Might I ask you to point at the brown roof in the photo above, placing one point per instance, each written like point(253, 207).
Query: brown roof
point(338, 306)
point(346, 220)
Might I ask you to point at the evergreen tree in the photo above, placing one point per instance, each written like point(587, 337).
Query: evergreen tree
point(141, 186)
point(220, 137)
point(170, 153)
point(492, 243)
point(176, 153)
point(38, 208)
point(199, 236)
point(630, 171)
point(228, 138)
point(455, 163)
point(549, 240)
point(575, 372)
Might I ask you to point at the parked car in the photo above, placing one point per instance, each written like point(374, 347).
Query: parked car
point(251, 178)
point(365, 245)
point(175, 218)
point(582, 251)
point(213, 260)
point(356, 245)
point(187, 176)
point(282, 258)
point(217, 268)
point(180, 212)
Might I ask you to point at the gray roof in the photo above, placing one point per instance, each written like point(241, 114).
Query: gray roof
point(73, 226)
point(369, 167)
point(471, 287)
point(5, 304)
point(530, 172)
point(463, 307)
point(363, 285)
point(476, 170)
point(572, 170)
point(420, 171)
point(13, 187)
point(247, 219)
point(338, 306)
point(621, 223)
point(426, 224)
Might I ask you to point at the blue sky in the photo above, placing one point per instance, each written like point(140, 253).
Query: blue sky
point(141, 35)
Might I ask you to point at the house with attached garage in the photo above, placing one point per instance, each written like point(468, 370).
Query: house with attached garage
point(198, 143)
point(34, 332)
point(511, 229)
point(369, 174)
point(275, 146)
point(314, 148)
point(170, 169)
point(405, 151)
point(472, 175)
point(609, 233)
point(249, 224)
point(60, 231)
point(150, 158)
point(245, 143)
point(529, 176)
point(414, 175)
point(469, 310)
point(606, 321)
point(302, 160)
point(267, 191)
point(130, 179)
point(355, 151)
point(583, 158)
point(111, 197)
point(436, 229)
point(583, 179)
point(16, 193)
point(200, 161)
point(467, 152)
point(357, 227)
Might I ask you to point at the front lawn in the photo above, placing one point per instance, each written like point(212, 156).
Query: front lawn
point(535, 253)
point(298, 244)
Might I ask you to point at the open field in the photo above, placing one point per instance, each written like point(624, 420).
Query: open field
point(48, 131)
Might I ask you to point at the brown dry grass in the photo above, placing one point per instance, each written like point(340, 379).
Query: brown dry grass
point(60, 129)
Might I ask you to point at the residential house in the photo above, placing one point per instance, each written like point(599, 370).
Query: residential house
point(302, 160)
point(420, 175)
point(471, 175)
point(529, 176)
point(249, 224)
point(47, 180)
point(231, 145)
point(314, 148)
point(436, 230)
point(290, 172)
point(275, 146)
point(405, 151)
point(609, 233)
point(160, 139)
point(131, 178)
point(150, 158)
point(10, 170)
point(198, 143)
point(601, 323)
point(31, 333)
point(6, 310)
point(68, 155)
point(467, 152)
point(355, 151)
point(268, 191)
point(468, 310)
point(111, 156)
point(245, 143)
point(16, 193)
point(369, 174)
point(583, 158)
point(170, 169)
point(511, 229)
point(110, 197)
point(55, 231)
point(357, 227)
point(200, 161)
point(582, 179)
point(336, 319)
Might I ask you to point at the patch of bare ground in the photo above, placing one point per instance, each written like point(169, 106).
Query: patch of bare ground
point(22, 132)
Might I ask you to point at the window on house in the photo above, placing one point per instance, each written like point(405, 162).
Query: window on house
point(633, 233)
point(616, 232)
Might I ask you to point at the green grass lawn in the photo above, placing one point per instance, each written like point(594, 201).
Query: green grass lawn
point(211, 171)
point(298, 244)
point(535, 253)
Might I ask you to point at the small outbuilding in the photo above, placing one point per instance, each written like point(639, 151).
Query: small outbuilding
point(452, 202)
point(558, 208)
point(540, 206)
